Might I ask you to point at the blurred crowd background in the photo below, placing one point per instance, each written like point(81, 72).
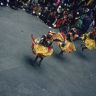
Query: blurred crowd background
point(65, 15)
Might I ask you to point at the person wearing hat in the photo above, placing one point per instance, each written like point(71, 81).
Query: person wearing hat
point(89, 40)
point(41, 48)
point(46, 40)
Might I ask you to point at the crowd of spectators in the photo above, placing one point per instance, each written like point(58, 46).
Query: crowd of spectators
point(67, 15)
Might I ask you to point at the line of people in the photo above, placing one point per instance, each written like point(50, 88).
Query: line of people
point(66, 14)
point(62, 14)
point(43, 47)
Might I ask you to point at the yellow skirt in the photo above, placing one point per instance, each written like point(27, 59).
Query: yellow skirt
point(40, 50)
point(60, 36)
point(68, 48)
point(90, 44)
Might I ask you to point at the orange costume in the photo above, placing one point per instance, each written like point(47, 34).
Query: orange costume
point(68, 46)
point(39, 49)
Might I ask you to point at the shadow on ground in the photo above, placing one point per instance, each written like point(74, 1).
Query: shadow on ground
point(60, 57)
point(29, 60)
point(81, 55)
